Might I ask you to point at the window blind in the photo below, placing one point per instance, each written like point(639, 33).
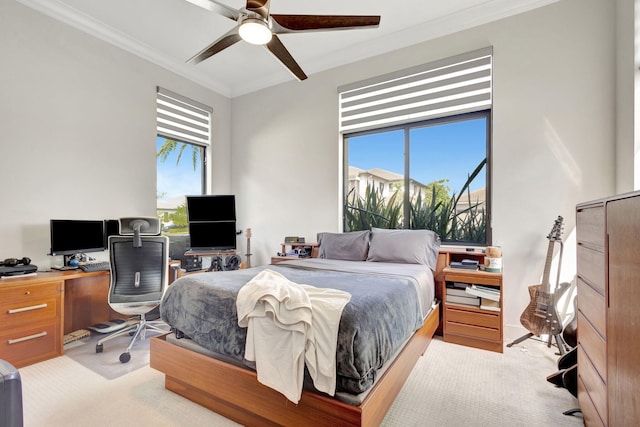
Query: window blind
point(183, 119)
point(455, 85)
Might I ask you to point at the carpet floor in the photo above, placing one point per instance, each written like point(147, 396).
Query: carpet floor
point(451, 385)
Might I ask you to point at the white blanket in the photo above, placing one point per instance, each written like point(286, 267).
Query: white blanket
point(287, 325)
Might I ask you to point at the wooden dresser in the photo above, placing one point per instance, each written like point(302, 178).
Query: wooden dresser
point(608, 280)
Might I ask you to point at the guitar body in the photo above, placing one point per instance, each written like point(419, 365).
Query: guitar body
point(529, 318)
point(540, 316)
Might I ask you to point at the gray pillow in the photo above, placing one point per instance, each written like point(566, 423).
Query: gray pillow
point(350, 246)
point(404, 246)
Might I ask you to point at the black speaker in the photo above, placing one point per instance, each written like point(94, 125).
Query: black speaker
point(12, 262)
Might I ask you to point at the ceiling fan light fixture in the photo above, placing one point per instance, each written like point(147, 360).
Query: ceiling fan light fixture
point(255, 31)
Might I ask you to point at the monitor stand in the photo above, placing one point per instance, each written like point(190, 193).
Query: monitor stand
point(64, 268)
point(66, 265)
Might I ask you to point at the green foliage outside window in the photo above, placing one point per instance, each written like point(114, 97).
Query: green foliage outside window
point(432, 210)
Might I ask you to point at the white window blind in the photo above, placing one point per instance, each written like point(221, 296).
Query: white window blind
point(183, 119)
point(455, 85)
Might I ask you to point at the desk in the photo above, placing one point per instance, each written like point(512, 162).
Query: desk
point(37, 311)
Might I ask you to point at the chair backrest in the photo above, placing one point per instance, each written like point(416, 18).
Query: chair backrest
point(138, 274)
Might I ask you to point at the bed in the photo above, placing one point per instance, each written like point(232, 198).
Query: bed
point(385, 327)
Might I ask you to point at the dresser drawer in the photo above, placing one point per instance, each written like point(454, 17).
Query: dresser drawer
point(592, 305)
point(591, 267)
point(593, 385)
point(453, 314)
point(590, 225)
point(593, 345)
point(24, 346)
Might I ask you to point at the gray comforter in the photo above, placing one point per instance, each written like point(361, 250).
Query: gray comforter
point(388, 303)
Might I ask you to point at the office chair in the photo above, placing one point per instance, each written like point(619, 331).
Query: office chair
point(139, 276)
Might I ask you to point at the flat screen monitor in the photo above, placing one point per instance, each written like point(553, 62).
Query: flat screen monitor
point(212, 236)
point(211, 208)
point(70, 236)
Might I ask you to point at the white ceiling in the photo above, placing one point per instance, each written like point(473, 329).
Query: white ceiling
point(168, 32)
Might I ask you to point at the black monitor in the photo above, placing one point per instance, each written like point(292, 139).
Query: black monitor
point(71, 236)
point(211, 208)
point(212, 236)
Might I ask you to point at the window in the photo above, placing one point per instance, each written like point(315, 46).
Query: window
point(416, 150)
point(183, 134)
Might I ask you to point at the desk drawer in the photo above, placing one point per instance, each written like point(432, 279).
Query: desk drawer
point(14, 314)
point(22, 347)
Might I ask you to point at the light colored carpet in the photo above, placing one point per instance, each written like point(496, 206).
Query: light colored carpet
point(108, 362)
point(450, 386)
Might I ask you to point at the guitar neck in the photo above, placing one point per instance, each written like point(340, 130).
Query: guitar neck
point(546, 286)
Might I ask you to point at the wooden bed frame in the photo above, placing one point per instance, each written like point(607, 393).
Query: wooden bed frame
point(235, 392)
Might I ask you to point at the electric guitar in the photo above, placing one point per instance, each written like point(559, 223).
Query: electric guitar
point(540, 316)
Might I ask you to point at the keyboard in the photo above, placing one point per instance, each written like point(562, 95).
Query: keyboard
point(95, 266)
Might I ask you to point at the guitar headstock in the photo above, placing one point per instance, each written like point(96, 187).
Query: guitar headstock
point(556, 230)
point(248, 233)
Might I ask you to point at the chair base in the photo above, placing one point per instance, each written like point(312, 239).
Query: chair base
point(137, 327)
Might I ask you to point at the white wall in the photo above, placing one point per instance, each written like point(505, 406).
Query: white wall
point(77, 118)
point(553, 138)
point(78, 130)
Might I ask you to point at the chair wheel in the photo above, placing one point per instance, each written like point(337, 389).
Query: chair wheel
point(98, 348)
point(125, 357)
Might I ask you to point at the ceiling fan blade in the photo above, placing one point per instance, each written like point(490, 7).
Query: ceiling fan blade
point(278, 50)
point(217, 7)
point(230, 38)
point(300, 23)
point(261, 7)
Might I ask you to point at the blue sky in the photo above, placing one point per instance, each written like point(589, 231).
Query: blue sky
point(177, 180)
point(451, 151)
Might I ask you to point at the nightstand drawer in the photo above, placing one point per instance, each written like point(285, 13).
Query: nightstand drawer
point(472, 331)
point(454, 314)
point(22, 347)
point(16, 313)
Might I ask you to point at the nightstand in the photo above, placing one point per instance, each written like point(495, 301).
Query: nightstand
point(313, 246)
point(475, 326)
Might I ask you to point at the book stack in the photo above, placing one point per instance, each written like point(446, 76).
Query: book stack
point(457, 294)
point(488, 295)
point(465, 264)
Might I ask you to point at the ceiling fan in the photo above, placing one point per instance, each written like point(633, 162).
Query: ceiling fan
point(257, 26)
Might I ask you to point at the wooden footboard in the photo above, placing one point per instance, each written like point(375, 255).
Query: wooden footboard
point(235, 392)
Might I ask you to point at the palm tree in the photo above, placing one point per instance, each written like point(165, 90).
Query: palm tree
point(171, 145)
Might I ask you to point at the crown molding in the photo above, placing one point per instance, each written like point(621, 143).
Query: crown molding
point(471, 17)
point(85, 23)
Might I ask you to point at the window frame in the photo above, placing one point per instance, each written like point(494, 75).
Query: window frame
point(406, 128)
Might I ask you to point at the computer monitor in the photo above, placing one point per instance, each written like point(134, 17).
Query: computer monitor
point(211, 208)
point(212, 236)
point(70, 237)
